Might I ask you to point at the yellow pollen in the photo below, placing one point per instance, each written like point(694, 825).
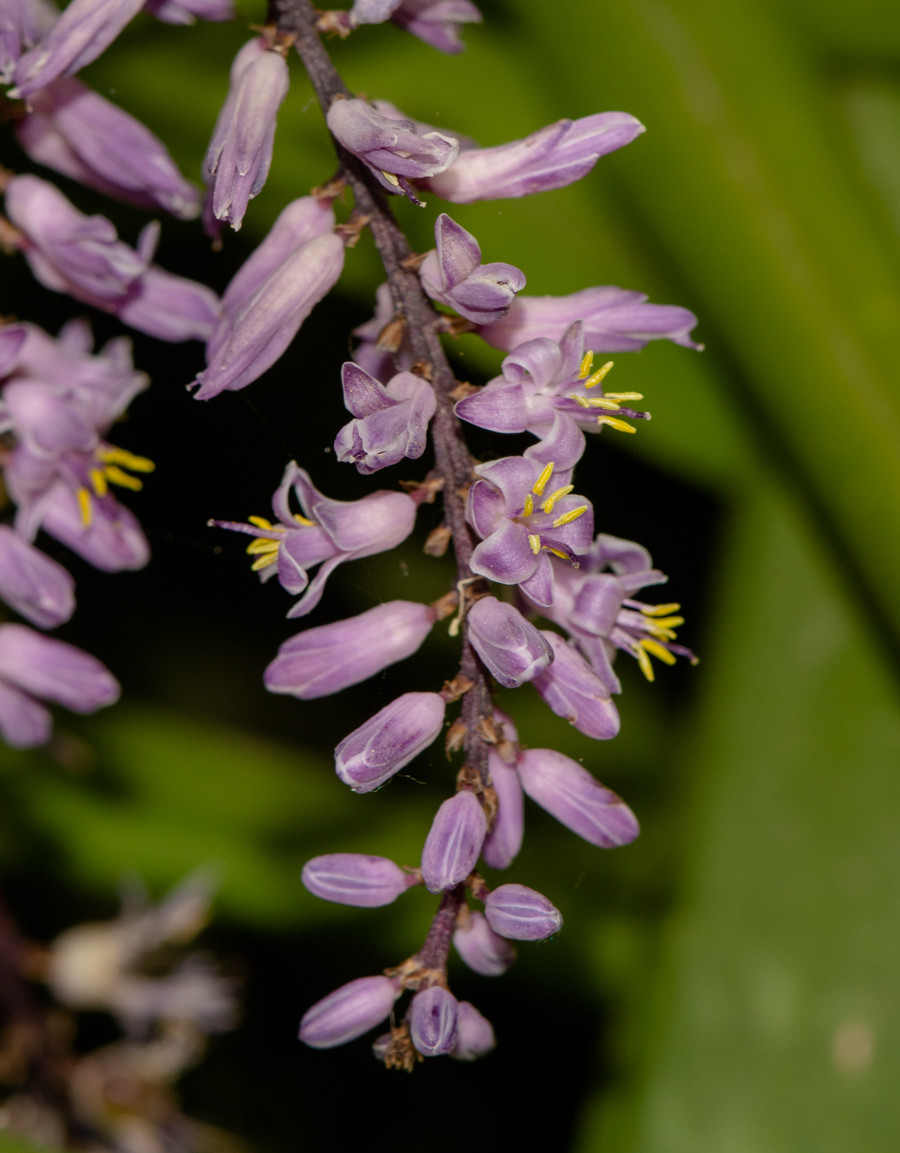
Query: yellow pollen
point(535, 541)
point(604, 402)
point(625, 396)
point(657, 650)
point(664, 634)
point(659, 610)
point(664, 622)
point(302, 520)
point(263, 544)
point(551, 500)
point(556, 552)
point(598, 375)
point(644, 662)
point(116, 476)
point(568, 517)
point(586, 362)
point(84, 503)
point(111, 455)
point(582, 400)
point(541, 482)
point(391, 178)
point(264, 561)
point(621, 425)
point(529, 505)
point(98, 482)
point(260, 521)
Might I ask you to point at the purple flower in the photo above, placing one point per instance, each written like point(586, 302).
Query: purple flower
point(433, 1021)
point(102, 531)
point(22, 23)
point(503, 842)
point(80, 134)
point(523, 509)
point(550, 158)
point(453, 274)
point(522, 914)
point(170, 307)
point(271, 295)
point(240, 151)
point(187, 11)
point(328, 533)
point(437, 22)
point(615, 320)
point(453, 842)
point(474, 1036)
point(577, 799)
point(12, 337)
point(392, 149)
point(32, 665)
point(34, 585)
point(84, 30)
point(355, 879)
point(387, 742)
point(481, 948)
point(512, 649)
point(348, 1012)
point(324, 660)
point(391, 420)
point(573, 691)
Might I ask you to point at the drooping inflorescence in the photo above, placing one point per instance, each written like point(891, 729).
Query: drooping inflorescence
point(524, 540)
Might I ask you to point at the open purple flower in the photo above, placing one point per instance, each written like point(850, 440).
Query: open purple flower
point(328, 532)
point(437, 22)
point(522, 511)
point(453, 274)
point(575, 692)
point(391, 420)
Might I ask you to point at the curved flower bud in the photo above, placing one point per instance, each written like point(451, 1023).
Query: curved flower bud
point(391, 420)
point(577, 800)
point(512, 648)
point(503, 842)
point(188, 11)
point(324, 660)
point(77, 132)
point(437, 22)
point(348, 1012)
point(387, 742)
point(453, 274)
point(55, 671)
point(575, 692)
point(170, 307)
point(521, 914)
point(474, 1036)
point(355, 879)
point(481, 948)
point(552, 157)
point(453, 842)
point(34, 585)
point(433, 1021)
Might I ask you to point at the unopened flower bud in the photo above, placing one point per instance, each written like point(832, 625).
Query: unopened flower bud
point(433, 1023)
point(512, 648)
point(348, 1012)
point(454, 842)
point(356, 879)
point(481, 948)
point(387, 742)
point(34, 585)
point(474, 1035)
point(391, 420)
point(503, 842)
point(453, 274)
point(571, 688)
point(521, 914)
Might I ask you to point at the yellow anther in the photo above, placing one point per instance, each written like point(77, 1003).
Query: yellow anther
point(582, 400)
point(556, 552)
point(625, 396)
point(663, 634)
point(604, 402)
point(659, 610)
point(117, 476)
point(302, 520)
point(665, 622)
point(568, 517)
point(111, 455)
point(540, 484)
point(391, 178)
point(263, 544)
point(87, 509)
point(613, 422)
point(551, 500)
point(657, 650)
point(98, 481)
point(535, 541)
point(260, 521)
point(586, 362)
point(264, 561)
point(598, 375)
point(645, 663)
point(529, 505)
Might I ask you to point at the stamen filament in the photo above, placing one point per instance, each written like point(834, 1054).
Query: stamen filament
point(98, 481)
point(541, 483)
point(529, 505)
point(621, 425)
point(117, 476)
point(551, 500)
point(599, 375)
point(86, 507)
point(568, 517)
point(586, 362)
point(535, 541)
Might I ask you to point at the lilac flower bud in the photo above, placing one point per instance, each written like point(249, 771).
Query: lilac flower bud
point(355, 879)
point(550, 158)
point(78, 133)
point(521, 914)
point(578, 800)
point(392, 149)
point(387, 742)
point(481, 949)
point(22, 23)
point(240, 151)
point(12, 338)
point(437, 22)
point(54, 670)
point(24, 724)
point(187, 11)
point(34, 585)
point(373, 11)
point(513, 650)
point(453, 274)
point(324, 660)
point(433, 1021)
point(453, 842)
point(170, 307)
point(348, 1012)
point(574, 691)
point(475, 1034)
point(503, 842)
point(391, 421)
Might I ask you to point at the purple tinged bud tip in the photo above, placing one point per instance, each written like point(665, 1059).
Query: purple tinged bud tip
point(503, 842)
point(434, 1021)
point(574, 691)
point(453, 842)
point(474, 1035)
point(521, 914)
point(513, 650)
point(348, 1012)
point(481, 948)
point(387, 742)
point(35, 586)
point(356, 879)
